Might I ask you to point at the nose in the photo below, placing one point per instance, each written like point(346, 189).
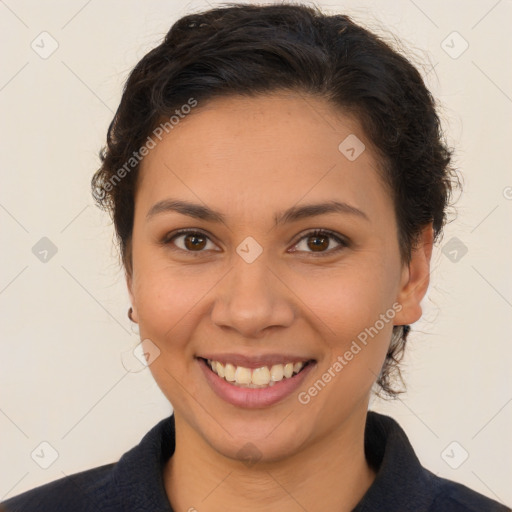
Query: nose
point(252, 299)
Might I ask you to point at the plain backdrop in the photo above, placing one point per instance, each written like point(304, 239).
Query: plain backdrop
point(64, 329)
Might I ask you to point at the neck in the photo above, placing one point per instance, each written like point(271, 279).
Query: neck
point(330, 474)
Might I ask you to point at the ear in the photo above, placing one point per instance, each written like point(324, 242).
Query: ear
point(129, 285)
point(415, 279)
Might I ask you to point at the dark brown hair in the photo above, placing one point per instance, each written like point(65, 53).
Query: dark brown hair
point(249, 50)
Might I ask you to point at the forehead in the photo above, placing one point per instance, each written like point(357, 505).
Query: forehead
point(274, 148)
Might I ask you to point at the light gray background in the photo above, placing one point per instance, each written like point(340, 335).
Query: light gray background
point(64, 330)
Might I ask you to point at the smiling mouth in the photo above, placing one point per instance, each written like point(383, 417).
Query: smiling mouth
point(262, 377)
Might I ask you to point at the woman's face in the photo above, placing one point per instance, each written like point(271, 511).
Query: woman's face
point(251, 292)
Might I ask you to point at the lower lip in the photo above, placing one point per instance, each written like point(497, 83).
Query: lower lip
point(253, 398)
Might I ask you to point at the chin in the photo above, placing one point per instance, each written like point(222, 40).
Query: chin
point(265, 441)
point(260, 451)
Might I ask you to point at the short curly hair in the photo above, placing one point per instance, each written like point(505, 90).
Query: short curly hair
point(250, 50)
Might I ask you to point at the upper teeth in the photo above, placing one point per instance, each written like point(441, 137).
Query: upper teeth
point(258, 377)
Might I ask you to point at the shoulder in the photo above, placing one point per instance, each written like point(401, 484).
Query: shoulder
point(88, 490)
point(133, 482)
point(456, 497)
point(402, 483)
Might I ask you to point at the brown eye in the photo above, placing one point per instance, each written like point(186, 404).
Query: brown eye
point(319, 241)
point(189, 241)
point(194, 241)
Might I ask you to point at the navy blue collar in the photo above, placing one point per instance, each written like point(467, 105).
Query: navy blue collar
point(400, 480)
point(135, 482)
point(401, 483)
point(138, 476)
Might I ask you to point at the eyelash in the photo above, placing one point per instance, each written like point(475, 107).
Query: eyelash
point(316, 232)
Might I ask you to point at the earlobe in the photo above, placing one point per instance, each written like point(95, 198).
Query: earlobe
point(415, 279)
point(132, 312)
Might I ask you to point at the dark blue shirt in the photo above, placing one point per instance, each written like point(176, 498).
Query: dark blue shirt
point(135, 484)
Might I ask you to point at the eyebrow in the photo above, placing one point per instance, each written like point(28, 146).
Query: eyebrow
point(294, 213)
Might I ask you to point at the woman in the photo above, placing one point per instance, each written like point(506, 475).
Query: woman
point(277, 179)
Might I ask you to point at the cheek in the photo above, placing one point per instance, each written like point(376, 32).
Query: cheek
point(357, 319)
point(169, 304)
point(354, 308)
point(351, 298)
point(166, 302)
